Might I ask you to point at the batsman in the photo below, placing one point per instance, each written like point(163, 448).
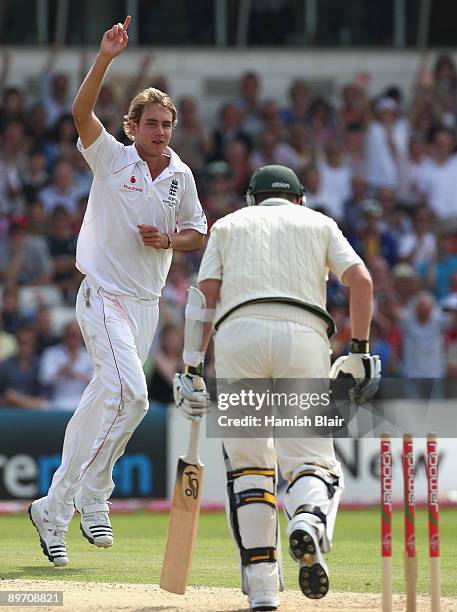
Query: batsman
point(262, 282)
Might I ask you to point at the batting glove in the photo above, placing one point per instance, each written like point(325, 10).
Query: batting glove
point(191, 397)
point(365, 369)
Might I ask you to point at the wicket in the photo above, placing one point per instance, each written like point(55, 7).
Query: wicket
point(410, 559)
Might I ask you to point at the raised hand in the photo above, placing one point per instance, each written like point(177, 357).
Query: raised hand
point(116, 39)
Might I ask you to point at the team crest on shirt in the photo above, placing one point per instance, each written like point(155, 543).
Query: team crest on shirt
point(172, 192)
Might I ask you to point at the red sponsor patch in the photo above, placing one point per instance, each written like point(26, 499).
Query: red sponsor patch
point(132, 179)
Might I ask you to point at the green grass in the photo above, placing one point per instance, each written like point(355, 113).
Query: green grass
point(137, 555)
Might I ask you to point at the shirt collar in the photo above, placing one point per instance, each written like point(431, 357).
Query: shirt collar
point(175, 165)
point(274, 202)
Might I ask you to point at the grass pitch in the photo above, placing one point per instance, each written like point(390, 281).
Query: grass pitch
point(140, 539)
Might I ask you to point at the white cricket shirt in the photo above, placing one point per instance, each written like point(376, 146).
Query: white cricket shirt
point(277, 249)
point(123, 196)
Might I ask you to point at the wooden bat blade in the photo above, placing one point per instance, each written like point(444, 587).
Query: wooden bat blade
point(182, 527)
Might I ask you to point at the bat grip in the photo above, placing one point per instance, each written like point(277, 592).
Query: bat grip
point(192, 449)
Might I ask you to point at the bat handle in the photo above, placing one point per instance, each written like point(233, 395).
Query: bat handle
point(192, 449)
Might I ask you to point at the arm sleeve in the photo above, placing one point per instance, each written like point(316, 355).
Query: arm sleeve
point(190, 214)
point(211, 265)
point(340, 255)
point(103, 155)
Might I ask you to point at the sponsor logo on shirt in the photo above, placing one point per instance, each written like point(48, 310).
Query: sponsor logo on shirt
point(171, 200)
point(126, 187)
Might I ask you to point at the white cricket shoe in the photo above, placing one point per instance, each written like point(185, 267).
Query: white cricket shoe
point(52, 536)
point(313, 576)
point(95, 524)
point(263, 601)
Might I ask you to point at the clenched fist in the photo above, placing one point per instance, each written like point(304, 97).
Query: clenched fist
point(153, 237)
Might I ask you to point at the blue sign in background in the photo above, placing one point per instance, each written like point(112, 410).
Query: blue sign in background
point(30, 453)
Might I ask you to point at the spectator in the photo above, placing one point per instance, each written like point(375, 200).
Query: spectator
point(219, 197)
point(353, 207)
point(55, 94)
point(62, 191)
point(12, 106)
point(438, 177)
point(42, 324)
point(423, 341)
point(15, 145)
point(439, 273)
point(299, 142)
point(24, 258)
point(411, 167)
point(19, 383)
point(82, 174)
point(236, 155)
point(166, 361)
point(322, 123)
point(373, 240)
point(38, 222)
point(355, 110)
point(35, 177)
point(249, 104)
point(10, 190)
point(379, 345)
point(228, 128)
point(37, 127)
point(66, 369)
point(385, 144)
point(419, 247)
point(405, 283)
point(354, 149)
point(449, 306)
point(311, 180)
point(62, 247)
point(11, 315)
point(394, 218)
point(61, 140)
point(190, 138)
point(335, 178)
point(8, 344)
point(298, 109)
point(445, 82)
point(272, 121)
point(107, 109)
point(271, 151)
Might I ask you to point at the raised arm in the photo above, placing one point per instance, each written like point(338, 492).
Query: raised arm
point(114, 41)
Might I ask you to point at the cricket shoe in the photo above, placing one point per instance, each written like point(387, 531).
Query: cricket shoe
point(94, 521)
point(313, 573)
point(263, 601)
point(52, 536)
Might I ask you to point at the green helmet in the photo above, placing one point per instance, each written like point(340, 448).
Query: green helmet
point(274, 178)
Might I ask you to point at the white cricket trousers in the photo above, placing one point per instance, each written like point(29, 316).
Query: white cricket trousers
point(268, 348)
point(251, 347)
point(118, 332)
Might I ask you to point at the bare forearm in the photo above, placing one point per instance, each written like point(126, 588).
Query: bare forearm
point(86, 98)
point(360, 300)
point(211, 290)
point(360, 307)
point(187, 240)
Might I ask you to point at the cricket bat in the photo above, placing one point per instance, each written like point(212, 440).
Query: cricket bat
point(183, 521)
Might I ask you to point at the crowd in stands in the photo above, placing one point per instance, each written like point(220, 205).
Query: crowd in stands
point(384, 168)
